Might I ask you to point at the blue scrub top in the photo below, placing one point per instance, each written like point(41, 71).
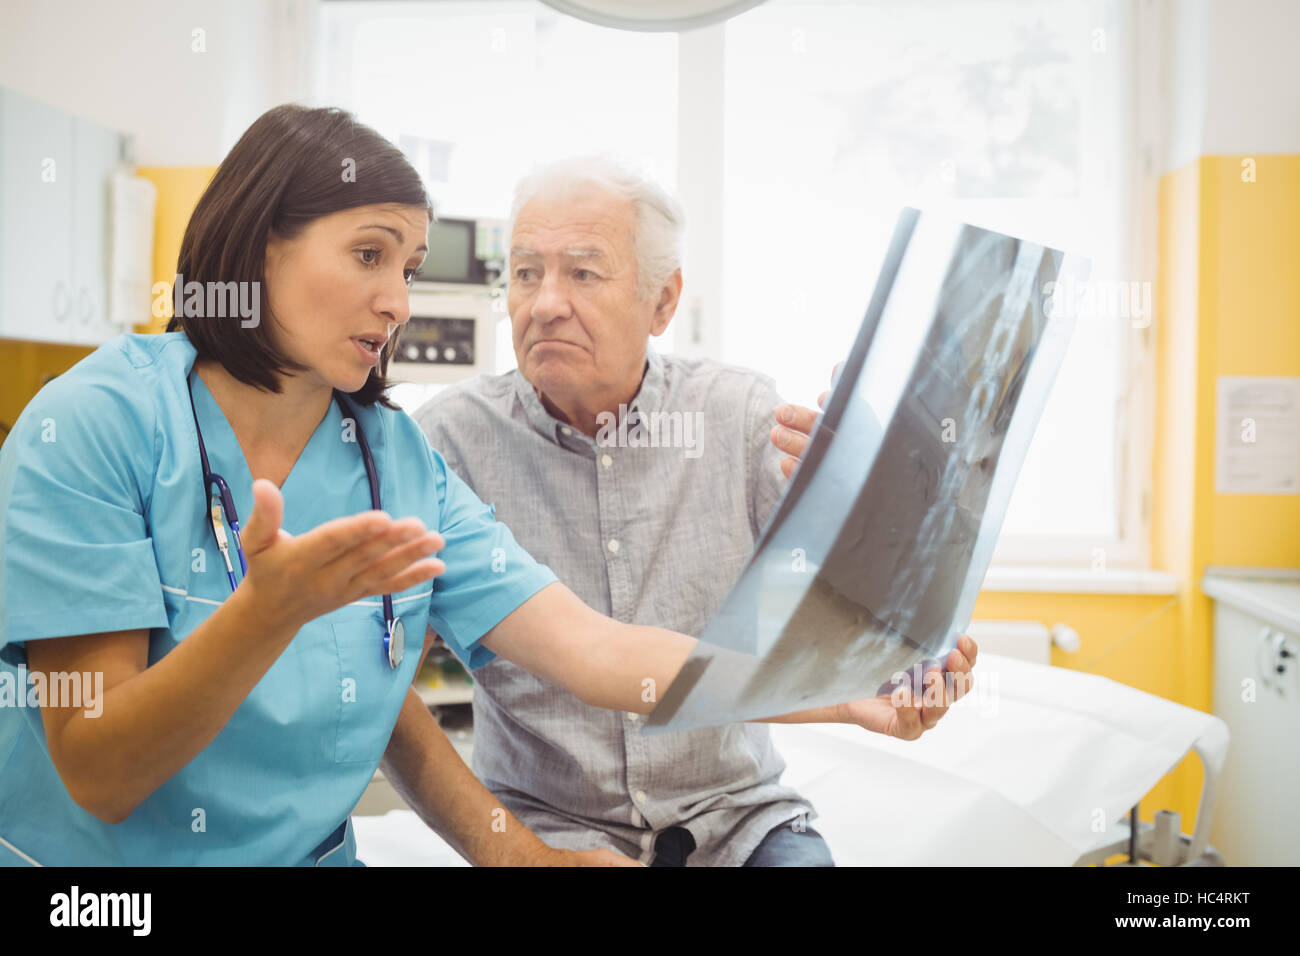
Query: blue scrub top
point(104, 526)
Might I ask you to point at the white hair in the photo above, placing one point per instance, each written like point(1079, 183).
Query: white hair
point(660, 233)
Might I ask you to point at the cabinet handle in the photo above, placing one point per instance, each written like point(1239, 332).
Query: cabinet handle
point(85, 306)
point(1271, 654)
point(61, 301)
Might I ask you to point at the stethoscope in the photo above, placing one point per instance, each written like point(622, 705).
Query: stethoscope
point(223, 505)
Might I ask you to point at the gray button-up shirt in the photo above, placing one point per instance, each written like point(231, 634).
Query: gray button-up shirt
point(648, 523)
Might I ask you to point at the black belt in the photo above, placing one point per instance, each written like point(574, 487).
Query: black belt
point(673, 846)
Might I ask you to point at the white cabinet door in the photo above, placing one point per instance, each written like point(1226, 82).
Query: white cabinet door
point(36, 201)
point(1259, 789)
point(96, 152)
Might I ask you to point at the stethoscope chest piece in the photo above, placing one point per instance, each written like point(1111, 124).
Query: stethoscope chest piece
point(394, 641)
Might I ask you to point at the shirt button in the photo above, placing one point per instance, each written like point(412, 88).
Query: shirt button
point(613, 545)
point(606, 460)
point(566, 430)
point(639, 796)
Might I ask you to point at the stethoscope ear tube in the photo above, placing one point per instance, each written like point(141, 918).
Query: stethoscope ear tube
point(394, 632)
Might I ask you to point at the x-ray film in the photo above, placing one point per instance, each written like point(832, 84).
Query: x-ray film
point(867, 572)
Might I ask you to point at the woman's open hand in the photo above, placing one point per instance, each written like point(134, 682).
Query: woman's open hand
point(296, 579)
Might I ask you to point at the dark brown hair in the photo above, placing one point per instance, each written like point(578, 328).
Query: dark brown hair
point(285, 171)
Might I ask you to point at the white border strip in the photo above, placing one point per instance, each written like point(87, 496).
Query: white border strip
point(19, 852)
point(185, 594)
point(413, 597)
point(198, 600)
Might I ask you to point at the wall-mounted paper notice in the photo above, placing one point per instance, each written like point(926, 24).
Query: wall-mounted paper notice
point(1257, 447)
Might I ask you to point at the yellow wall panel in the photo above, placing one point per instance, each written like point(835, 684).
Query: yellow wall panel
point(1257, 310)
point(179, 188)
point(1176, 310)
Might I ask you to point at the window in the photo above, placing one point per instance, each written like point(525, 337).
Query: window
point(1008, 115)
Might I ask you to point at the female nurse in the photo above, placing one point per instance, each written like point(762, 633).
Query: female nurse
point(233, 716)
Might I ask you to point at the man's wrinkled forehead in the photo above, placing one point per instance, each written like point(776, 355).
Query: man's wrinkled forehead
point(591, 227)
point(590, 254)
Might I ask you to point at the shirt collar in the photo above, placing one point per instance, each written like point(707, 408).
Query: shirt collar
point(649, 397)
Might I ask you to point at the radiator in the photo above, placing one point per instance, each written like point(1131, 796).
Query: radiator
point(1024, 640)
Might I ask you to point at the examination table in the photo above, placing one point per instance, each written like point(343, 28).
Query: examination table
point(1037, 765)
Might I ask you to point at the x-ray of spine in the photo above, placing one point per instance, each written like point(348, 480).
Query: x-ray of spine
point(868, 570)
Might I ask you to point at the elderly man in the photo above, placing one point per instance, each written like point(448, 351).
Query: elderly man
point(643, 481)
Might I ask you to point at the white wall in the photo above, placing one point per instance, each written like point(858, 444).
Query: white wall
point(130, 65)
point(1234, 78)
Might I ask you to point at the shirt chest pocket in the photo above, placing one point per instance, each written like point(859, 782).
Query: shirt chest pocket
point(331, 696)
point(370, 691)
